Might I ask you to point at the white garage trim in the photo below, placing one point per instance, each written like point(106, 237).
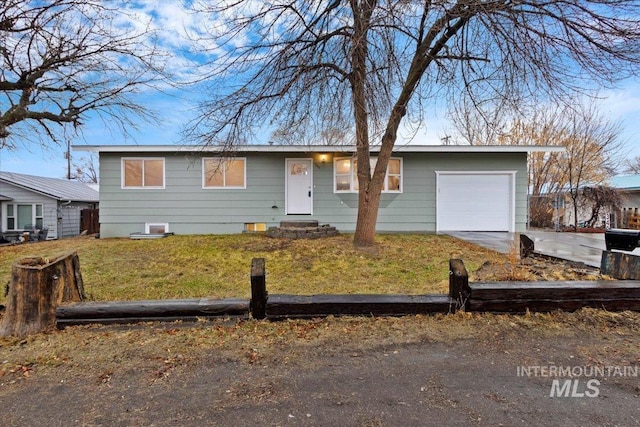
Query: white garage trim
point(442, 216)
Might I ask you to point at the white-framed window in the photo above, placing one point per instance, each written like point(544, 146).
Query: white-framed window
point(224, 173)
point(255, 226)
point(24, 216)
point(145, 173)
point(345, 176)
point(156, 227)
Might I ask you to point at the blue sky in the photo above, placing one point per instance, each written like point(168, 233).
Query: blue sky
point(622, 105)
point(175, 108)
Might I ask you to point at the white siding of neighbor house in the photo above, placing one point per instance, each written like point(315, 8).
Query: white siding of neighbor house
point(630, 199)
point(190, 209)
point(69, 218)
point(26, 197)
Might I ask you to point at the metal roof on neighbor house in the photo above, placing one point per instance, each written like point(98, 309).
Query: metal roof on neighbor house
point(59, 189)
point(625, 182)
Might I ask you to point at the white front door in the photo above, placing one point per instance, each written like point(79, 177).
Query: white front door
point(299, 186)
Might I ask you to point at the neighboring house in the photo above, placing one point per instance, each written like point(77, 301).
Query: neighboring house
point(605, 218)
point(629, 188)
point(192, 190)
point(54, 204)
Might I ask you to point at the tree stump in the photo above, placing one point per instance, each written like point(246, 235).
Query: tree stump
point(38, 286)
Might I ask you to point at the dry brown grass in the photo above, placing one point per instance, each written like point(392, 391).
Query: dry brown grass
point(534, 268)
point(512, 270)
point(218, 266)
point(99, 351)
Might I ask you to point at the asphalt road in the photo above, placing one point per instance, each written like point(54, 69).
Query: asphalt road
point(466, 382)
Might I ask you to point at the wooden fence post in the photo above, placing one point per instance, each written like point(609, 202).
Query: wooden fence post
point(258, 303)
point(38, 286)
point(527, 246)
point(459, 289)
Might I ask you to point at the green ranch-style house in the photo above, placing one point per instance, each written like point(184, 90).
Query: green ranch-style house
point(195, 190)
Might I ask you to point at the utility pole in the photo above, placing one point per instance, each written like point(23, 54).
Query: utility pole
point(67, 156)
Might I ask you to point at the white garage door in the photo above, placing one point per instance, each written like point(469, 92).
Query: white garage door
point(475, 201)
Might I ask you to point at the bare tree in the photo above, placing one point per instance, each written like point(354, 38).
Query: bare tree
point(479, 124)
point(380, 62)
point(600, 197)
point(593, 151)
point(546, 178)
point(593, 147)
point(85, 170)
point(62, 60)
point(307, 132)
point(632, 166)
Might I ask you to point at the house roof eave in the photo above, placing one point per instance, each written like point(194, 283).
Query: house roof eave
point(317, 148)
point(53, 188)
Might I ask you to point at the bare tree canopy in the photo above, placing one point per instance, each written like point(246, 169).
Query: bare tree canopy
point(631, 166)
point(593, 151)
point(64, 59)
point(593, 144)
point(85, 170)
point(377, 64)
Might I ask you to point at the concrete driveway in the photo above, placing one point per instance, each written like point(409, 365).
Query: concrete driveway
point(580, 247)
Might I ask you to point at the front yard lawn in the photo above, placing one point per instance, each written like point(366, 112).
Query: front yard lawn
point(218, 266)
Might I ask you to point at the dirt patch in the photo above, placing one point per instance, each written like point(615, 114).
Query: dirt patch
point(263, 244)
point(536, 268)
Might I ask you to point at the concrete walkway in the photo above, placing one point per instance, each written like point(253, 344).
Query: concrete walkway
point(580, 247)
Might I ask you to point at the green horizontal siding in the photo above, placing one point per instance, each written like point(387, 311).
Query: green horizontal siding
point(190, 209)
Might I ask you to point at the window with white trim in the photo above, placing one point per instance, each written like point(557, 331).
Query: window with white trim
point(255, 226)
point(346, 175)
point(11, 218)
point(227, 173)
point(24, 216)
point(143, 173)
point(156, 227)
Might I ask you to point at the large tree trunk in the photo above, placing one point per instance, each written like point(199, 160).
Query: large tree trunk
point(368, 205)
point(38, 286)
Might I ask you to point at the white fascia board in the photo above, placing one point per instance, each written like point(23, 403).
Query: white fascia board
point(318, 148)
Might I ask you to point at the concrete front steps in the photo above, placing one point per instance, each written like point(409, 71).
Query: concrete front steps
point(302, 229)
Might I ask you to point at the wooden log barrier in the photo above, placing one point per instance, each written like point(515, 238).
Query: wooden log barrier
point(310, 306)
point(493, 297)
point(150, 310)
point(459, 290)
point(518, 297)
point(38, 286)
point(620, 265)
point(258, 304)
